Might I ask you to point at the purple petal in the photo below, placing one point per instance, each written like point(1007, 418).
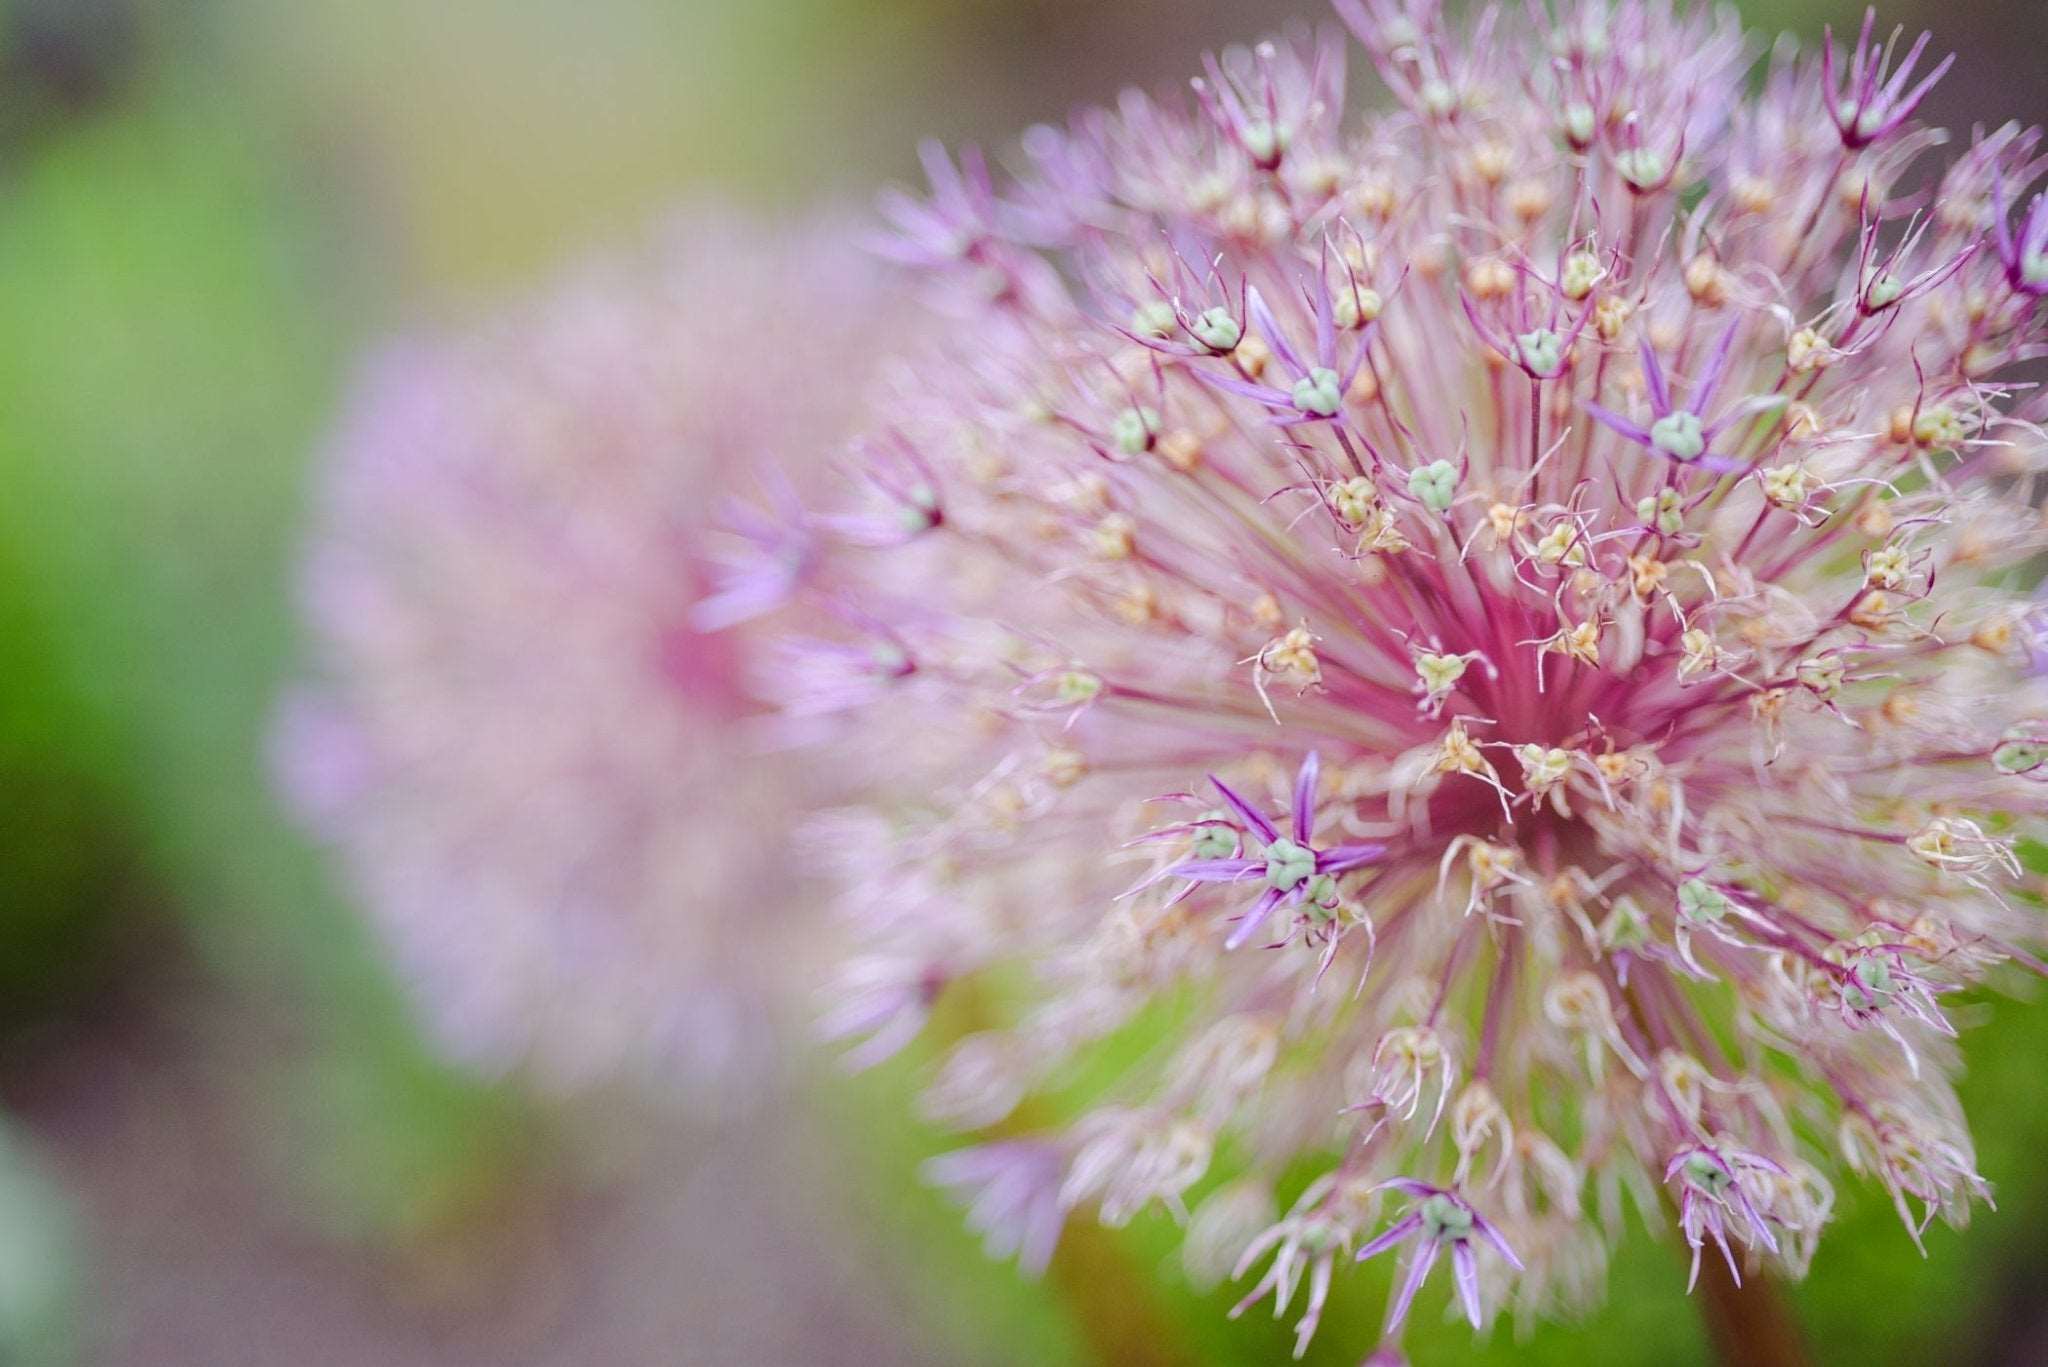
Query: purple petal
point(928, 233)
point(1305, 797)
point(1756, 1221)
point(1911, 101)
point(1418, 1269)
point(1653, 376)
point(1739, 413)
point(1720, 465)
point(2034, 236)
point(1344, 858)
point(1269, 328)
point(1639, 435)
point(1261, 912)
point(1904, 71)
point(1717, 366)
point(1358, 21)
point(938, 170)
point(1039, 1238)
point(886, 1042)
point(1312, 1313)
point(748, 596)
point(1249, 814)
point(1727, 1256)
point(1465, 1267)
point(1863, 54)
point(1394, 1234)
point(1244, 389)
point(1827, 64)
point(1499, 1242)
point(1217, 870)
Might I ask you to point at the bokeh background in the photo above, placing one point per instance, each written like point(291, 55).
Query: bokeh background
point(222, 1138)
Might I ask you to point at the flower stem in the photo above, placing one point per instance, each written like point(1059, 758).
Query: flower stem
point(1750, 1325)
point(1119, 1316)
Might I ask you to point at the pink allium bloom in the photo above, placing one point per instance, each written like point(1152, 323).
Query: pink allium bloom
point(1503, 625)
point(533, 758)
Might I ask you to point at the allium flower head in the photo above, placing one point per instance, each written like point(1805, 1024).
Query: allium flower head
point(1506, 621)
point(525, 745)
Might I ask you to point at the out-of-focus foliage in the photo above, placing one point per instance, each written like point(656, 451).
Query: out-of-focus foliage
point(205, 209)
point(166, 349)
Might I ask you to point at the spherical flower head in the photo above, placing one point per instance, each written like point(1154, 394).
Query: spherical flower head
point(529, 754)
point(1566, 731)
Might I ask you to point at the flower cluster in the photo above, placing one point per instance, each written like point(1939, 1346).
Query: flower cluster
point(519, 732)
point(1503, 627)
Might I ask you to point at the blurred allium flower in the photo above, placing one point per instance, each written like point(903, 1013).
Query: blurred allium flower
point(534, 759)
point(1502, 628)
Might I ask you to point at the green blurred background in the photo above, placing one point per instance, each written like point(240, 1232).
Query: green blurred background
point(223, 1141)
